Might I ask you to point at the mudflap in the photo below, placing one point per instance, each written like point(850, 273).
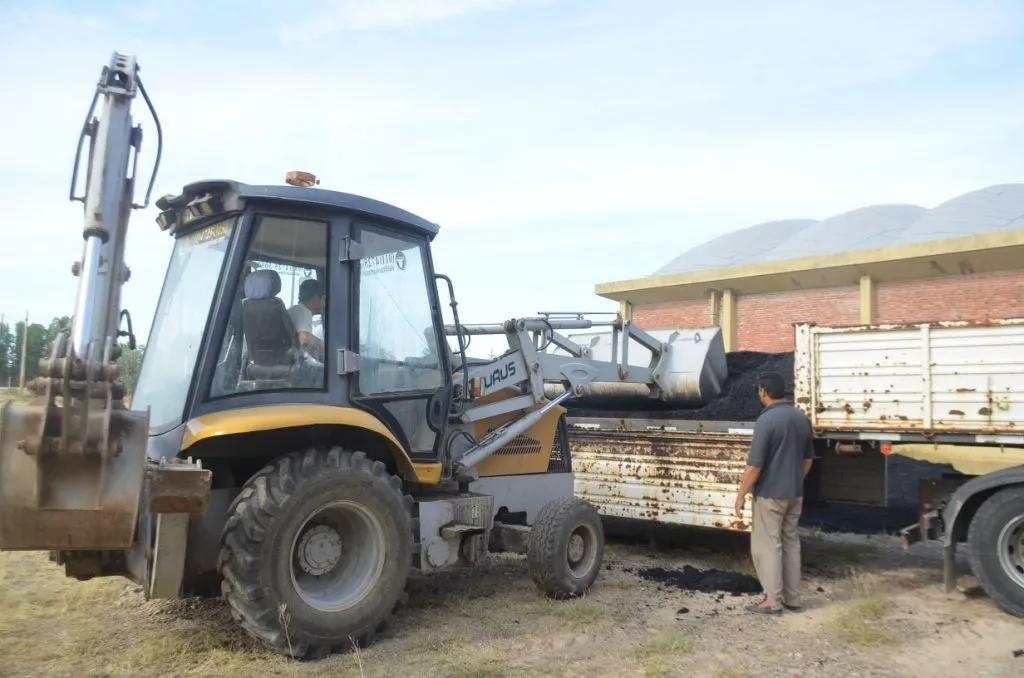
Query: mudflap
point(81, 498)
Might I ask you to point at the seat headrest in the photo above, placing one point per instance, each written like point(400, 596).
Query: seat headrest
point(263, 283)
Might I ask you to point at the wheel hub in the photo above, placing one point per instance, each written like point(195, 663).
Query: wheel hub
point(1011, 549)
point(319, 550)
point(577, 547)
point(325, 575)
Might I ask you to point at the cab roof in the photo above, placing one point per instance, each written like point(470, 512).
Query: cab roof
point(235, 193)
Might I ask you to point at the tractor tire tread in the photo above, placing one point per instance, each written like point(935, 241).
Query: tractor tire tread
point(545, 548)
point(264, 496)
point(981, 552)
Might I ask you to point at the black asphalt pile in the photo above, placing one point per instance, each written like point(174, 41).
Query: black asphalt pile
point(737, 401)
point(704, 581)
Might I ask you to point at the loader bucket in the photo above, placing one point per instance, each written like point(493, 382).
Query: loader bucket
point(55, 499)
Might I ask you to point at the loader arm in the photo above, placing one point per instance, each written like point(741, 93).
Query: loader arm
point(682, 370)
point(73, 459)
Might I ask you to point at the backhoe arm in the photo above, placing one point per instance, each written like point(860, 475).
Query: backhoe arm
point(72, 460)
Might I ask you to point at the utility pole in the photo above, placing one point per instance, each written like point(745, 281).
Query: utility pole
point(24, 351)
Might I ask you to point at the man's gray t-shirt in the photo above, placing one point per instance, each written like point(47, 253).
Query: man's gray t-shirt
point(782, 440)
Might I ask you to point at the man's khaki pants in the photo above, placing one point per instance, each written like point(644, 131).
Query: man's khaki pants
point(775, 548)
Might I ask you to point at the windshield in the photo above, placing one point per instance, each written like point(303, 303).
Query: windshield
point(179, 324)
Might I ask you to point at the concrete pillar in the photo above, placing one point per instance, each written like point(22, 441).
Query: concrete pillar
point(626, 311)
point(714, 299)
point(868, 313)
point(728, 319)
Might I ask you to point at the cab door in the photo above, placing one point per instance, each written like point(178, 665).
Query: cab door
point(401, 373)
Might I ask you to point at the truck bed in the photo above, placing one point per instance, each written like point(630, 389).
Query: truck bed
point(943, 381)
point(683, 473)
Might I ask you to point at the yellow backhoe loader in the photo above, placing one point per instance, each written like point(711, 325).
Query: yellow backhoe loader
point(293, 466)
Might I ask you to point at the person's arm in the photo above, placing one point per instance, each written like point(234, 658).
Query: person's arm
point(750, 476)
point(755, 462)
point(302, 319)
point(809, 450)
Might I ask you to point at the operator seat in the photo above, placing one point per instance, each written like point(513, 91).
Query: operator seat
point(268, 330)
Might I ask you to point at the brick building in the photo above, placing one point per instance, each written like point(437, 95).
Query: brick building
point(960, 260)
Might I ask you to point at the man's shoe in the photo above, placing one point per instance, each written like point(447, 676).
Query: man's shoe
point(793, 608)
point(758, 609)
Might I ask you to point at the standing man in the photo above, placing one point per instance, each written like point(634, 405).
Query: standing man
point(311, 302)
point(781, 454)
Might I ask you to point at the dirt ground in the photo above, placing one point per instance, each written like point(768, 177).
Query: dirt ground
point(872, 610)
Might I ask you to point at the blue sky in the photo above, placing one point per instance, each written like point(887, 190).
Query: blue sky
point(559, 143)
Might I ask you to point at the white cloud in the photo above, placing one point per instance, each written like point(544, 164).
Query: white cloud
point(329, 16)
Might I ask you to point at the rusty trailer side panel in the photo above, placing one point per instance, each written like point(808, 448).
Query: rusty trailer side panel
point(928, 378)
point(683, 477)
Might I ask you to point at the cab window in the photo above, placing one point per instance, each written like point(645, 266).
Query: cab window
point(397, 335)
point(275, 336)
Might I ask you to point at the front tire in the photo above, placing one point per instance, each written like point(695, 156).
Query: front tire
point(565, 547)
point(316, 551)
point(996, 541)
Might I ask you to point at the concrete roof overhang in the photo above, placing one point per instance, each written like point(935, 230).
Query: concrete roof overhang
point(985, 253)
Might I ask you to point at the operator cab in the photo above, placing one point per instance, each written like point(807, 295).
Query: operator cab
point(254, 267)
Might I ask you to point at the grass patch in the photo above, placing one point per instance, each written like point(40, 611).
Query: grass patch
point(855, 624)
point(665, 644)
point(441, 646)
point(653, 653)
point(482, 661)
point(656, 668)
point(872, 607)
point(579, 613)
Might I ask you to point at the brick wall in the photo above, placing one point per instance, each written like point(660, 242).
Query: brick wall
point(665, 316)
point(962, 297)
point(764, 321)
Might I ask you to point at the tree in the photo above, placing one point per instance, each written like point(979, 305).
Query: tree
point(37, 349)
point(128, 368)
point(8, 373)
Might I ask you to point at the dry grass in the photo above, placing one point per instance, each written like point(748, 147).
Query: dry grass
point(856, 624)
point(662, 645)
point(657, 655)
point(490, 623)
point(579, 614)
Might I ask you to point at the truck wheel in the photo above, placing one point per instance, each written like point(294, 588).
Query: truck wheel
point(565, 547)
point(996, 547)
point(316, 551)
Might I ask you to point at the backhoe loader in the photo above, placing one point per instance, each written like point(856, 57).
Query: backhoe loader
point(302, 473)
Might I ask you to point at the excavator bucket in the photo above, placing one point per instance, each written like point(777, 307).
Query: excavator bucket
point(56, 496)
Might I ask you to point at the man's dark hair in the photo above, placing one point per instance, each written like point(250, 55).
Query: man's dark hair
point(773, 384)
point(310, 288)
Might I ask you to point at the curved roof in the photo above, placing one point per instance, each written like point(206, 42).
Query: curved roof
point(736, 247)
point(995, 208)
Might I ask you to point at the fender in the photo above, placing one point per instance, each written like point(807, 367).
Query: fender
point(271, 417)
point(952, 516)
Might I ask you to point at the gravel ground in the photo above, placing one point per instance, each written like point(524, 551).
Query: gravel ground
point(665, 604)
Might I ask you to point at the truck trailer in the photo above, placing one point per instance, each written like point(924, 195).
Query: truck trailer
point(949, 393)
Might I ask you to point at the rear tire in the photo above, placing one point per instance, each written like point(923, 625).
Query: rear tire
point(996, 548)
point(316, 552)
point(565, 547)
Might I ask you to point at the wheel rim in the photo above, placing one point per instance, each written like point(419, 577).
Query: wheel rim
point(337, 556)
point(581, 551)
point(1011, 549)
